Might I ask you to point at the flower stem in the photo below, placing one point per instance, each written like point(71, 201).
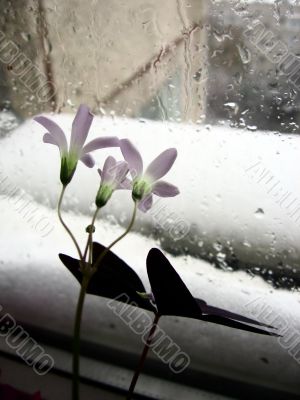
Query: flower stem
point(78, 316)
point(143, 357)
point(89, 243)
point(83, 289)
point(103, 254)
point(76, 337)
point(64, 224)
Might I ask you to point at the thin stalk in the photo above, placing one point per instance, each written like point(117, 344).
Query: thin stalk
point(77, 322)
point(143, 357)
point(84, 285)
point(76, 337)
point(103, 254)
point(65, 225)
point(89, 243)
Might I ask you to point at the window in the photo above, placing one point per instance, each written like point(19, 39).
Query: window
point(218, 80)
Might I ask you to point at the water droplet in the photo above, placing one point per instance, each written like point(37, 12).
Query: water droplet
point(238, 77)
point(244, 54)
point(26, 36)
point(70, 103)
point(246, 244)
point(252, 128)
point(232, 106)
point(221, 36)
point(245, 111)
point(221, 256)
point(259, 213)
point(8, 122)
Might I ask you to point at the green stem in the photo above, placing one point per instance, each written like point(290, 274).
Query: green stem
point(65, 225)
point(89, 243)
point(143, 357)
point(84, 285)
point(76, 337)
point(77, 323)
point(103, 254)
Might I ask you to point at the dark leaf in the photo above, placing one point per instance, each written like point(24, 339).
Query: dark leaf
point(112, 279)
point(235, 324)
point(173, 297)
point(219, 312)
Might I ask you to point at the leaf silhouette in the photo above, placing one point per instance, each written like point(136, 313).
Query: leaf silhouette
point(219, 312)
point(112, 279)
point(173, 298)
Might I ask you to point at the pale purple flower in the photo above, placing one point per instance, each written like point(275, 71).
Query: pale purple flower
point(77, 150)
point(147, 183)
point(113, 177)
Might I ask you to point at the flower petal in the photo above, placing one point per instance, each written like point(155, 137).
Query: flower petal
point(88, 160)
point(101, 143)
point(55, 131)
point(132, 156)
point(80, 128)
point(165, 189)
point(125, 184)
point(161, 164)
point(121, 172)
point(113, 172)
point(146, 203)
point(109, 170)
point(47, 138)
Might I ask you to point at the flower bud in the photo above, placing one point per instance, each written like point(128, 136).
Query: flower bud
point(67, 170)
point(103, 195)
point(140, 189)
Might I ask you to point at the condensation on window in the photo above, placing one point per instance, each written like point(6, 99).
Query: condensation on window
point(215, 65)
point(219, 80)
